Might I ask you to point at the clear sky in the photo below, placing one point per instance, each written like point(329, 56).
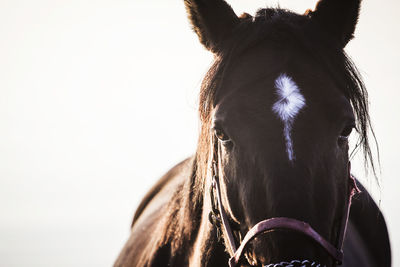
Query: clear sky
point(98, 99)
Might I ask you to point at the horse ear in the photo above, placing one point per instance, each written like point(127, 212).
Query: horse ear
point(212, 21)
point(339, 17)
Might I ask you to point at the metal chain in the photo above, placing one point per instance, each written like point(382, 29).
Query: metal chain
point(214, 216)
point(295, 263)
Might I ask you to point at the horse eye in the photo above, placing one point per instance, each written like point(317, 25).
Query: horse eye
point(220, 134)
point(344, 136)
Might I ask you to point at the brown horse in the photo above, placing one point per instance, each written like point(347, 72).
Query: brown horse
point(270, 182)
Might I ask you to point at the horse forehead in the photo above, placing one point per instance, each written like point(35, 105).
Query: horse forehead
point(252, 94)
point(273, 96)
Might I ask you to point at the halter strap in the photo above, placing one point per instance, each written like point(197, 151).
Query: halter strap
point(284, 223)
point(224, 217)
point(335, 252)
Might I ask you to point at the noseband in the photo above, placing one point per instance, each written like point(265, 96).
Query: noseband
point(219, 217)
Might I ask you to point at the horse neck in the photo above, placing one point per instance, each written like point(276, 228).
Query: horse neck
point(207, 248)
point(186, 230)
point(182, 216)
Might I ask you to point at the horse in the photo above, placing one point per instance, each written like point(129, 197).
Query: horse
point(270, 182)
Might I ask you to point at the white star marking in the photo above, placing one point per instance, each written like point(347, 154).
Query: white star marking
point(290, 102)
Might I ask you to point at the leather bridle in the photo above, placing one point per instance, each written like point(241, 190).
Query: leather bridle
point(219, 218)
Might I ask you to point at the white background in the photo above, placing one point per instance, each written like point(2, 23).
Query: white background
point(99, 98)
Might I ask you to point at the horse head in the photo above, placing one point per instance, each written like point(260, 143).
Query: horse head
point(277, 108)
